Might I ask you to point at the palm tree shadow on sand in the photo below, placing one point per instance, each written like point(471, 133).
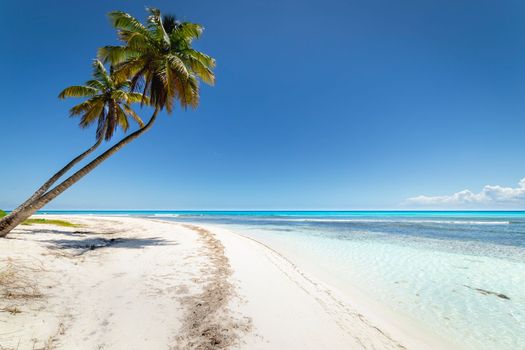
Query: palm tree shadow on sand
point(81, 246)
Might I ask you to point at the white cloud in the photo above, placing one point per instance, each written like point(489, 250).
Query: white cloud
point(490, 196)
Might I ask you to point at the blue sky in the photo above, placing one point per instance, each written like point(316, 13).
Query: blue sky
point(319, 104)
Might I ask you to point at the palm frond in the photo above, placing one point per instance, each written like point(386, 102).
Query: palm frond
point(204, 59)
point(187, 31)
point(95, 84)
point(200, 69)
point(101, 74)
point(120, 85)
point(129, 68)
point(116, 54)
point(122, 118)
point(91, 115)
point(134, 40)
point(127, 108)
point(156, 27)
point(175, 63)
point(170, 23)
point(85, 106)
point(137, 97)
point(193, 92)
point(77, 91)
point(125, 21)
point(119, 95)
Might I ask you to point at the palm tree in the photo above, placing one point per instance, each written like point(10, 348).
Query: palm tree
point(108, 104)
point(159, 56)
point(159, 60)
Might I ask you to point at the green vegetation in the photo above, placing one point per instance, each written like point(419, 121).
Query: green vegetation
point(62, 223)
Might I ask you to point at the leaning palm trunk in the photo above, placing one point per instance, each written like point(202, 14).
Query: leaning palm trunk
point(9, 222)
point(53, 179)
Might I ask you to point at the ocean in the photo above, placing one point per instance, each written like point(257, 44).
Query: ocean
point(460, 274)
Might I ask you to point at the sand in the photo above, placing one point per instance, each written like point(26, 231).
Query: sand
point(133, 283)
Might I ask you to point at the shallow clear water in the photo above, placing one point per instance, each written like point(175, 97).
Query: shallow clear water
point(461, 274)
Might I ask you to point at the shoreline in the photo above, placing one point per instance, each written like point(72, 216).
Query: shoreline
point(178, 285)
point(370, 324)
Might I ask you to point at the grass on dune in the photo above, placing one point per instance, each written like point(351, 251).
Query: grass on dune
point(62, 223)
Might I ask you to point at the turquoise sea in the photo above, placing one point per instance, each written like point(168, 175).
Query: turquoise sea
point(461, 274)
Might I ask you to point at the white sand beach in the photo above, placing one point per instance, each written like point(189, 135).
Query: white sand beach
point(133, 283)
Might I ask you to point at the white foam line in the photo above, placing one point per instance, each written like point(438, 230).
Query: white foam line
point(454, 222)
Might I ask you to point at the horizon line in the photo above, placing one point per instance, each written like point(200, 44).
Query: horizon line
point(291, 210)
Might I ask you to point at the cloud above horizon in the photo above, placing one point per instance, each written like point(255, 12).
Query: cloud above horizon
point(490, 196)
